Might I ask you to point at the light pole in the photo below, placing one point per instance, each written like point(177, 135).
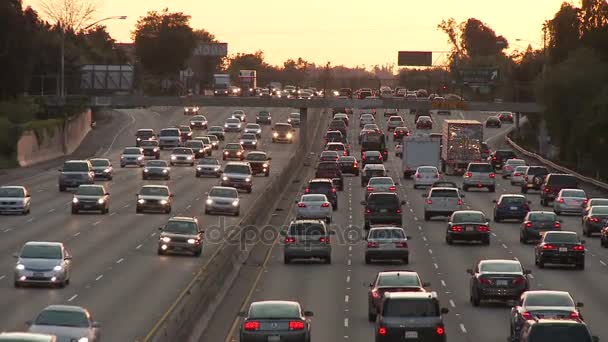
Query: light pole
point(62, 27)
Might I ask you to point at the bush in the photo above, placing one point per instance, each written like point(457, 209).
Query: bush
point(21, 110)
point(40, 127)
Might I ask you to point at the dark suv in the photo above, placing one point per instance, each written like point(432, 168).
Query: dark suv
point(338, 125)
point(415, 316)
point(75, 173)
point(534, 178)
point(331, 170)
point(555, 330)
point(499, 157)
point(553, 184)
point(383, 208)
point(324, 187)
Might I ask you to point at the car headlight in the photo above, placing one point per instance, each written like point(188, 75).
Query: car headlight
point(201, 150)
point(106, 170)
point(209, 201)
point(140, 158)
point(275, 134)
point(75, 200)
point(247, 179)
point(192, 241)
point(57, 268)
point(146, 170)
point(253, 142)
point(165, 170)
point(224, 178)
point(83, 339)
point(238, 153)
point(163, 202)
point(199, 168)
point(141, 201)
point(189, 157)
point(213, 143)
point(138, 139)
point(226, 125)
point(242, 142)
point(101, 200)
point(20, 267)
point(122, 157)
point(155, 149)
point(165, 239)
point(235, 203)
point(264, 165)
point(289, 135)
point(173, 157)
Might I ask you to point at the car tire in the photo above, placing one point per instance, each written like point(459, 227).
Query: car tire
point(327, 260)
point(523, 238)
point(371, 316)
point(61, 188)
point(168, 210)
point(328, 220)
point(475, 300)
point(427, 216)
point(286, 260)
point(368, 260)
point(249, 190)
point(110, 178)
point(406, 260)
point(168, 178)
point(603, 243)
point(492, 188)
point(198, 253)
point(496, 219)
point(581, 266)
point(486, 241)
point(540, 263)
point(144, 178)
point(160, 252)
point(16, 284)
point(543, 202)
point(266, 174)
point(524, 189)
point(237, 213)
point(74, 211)
point(449, 240)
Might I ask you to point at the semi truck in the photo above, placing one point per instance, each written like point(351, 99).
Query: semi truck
point(248, 82)
point(462, 141)
point(419, 149)
point(221, 84)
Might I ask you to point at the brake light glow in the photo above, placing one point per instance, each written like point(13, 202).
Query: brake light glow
point(402, 244)
point(483, 228)
point(375, 294)
point(578, 248)
point(548, 247)
point(325, 205)
point(516, 174)
point(561, 200)
point(436, 175)
point(324, 239)
point(456, 228)
point(557, 225)
point(519, 280)
point(392, 188)
point(368, 211)
point(296, 325)
point(333, 190)
point(371, 244)
point(526, 315)
point(492, 175)
point(418, 175)
point(398, 211)
point(382, 331)
point(370, 189)
point(594, 219)
point(440, 331)
point(307, 190)
point(528, 224)
point(429, 201)
point(574, 315)
point(290, 239)
point(459, 201)
point(344, 153)
point(585, 201)
point(485, 281)
point(252, 325)
point(468, 175)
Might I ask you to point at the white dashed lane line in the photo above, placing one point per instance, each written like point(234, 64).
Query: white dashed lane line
point(346, 322)
point(443, 283)
point(51, 210)
point(72, 298)
point(463, 329)
point(99, 277)
point(452, 304)
point(602, 262)
point(76, 234)
point(346, 299)
point(2, 277)
point(120, 260)
point(138, 246)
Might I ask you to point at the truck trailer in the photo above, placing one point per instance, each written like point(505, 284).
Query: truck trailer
point(461, 145)
point(419, 150)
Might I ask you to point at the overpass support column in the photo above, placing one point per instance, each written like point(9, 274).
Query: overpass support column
point(304, 127)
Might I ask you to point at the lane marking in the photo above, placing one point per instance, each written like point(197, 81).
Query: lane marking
point(30, 220)
point(113, 213)
point(452, 303)
point(443, 283)
point(72, 298)
point(138, 246)
point(96, 223)
point(602, 262)
point(51, 210)
point(346, 299)
point(463, 329)
point(76, 234)
point(436, 266)
point(346, 322)
point(348, 263)
point(119, 132)
point(120, 260)
point(348, 279)
point(504, 246)
point(430, 251)
point(2, 277)
point(99, 277)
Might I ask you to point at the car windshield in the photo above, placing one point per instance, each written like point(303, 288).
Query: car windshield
point(156, 163)
point(372, 154)
point(270, 310)
point(427, 170)
point(325, 186)
point(563, 181)
point(198, 118)
point(480, 168)
point(521, 169)
point(468, 217)
point(386, 234)
point(543, 217)
point(181, 151)
point(498, 266)
point(314, 198)
point(383, 199)
point(548, 299)
point(335, 147)
point(328, 165)
point(232, 147)
point(100, 162)
point(600, 209)
point(169, 133)
point(381, 181)
point(444, 193)
point(559, 333)
point(232, 168)
point(76, 167)
point(505, 154)
point(367, 117)
point(249, 137)
point(294, 115)
point(263, 114)
point(238, 112)
point(208, 161)
point(41, 252)
point(395, 118)
point(537, 171)
point(347, 159)
point(12, 192)
point(184, 129)
point(154, 191)
point(334, 136)
point(90, 190)
point(225, 193)
point(598, 201)
point(252, 126)
point(513, 200)
point(445, 185)
point(574, 193)
point(306, 229)
point(257, 156)
point(181, 227)
point(561, 238)
point(413, 307)
point(399, 279)
point(148, 143)
point(63, 318)
point(233, 121)
point(329, 154)
point(131, 150)
point(282, 128)
point(194, 144)
point(513, 162)
point(145, 134)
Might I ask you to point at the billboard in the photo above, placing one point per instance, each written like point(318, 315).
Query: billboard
point(415, 58)
point(107, 77)
point(211, 49)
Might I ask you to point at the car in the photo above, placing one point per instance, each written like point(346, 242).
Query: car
point(180, 234)
point(342, 116)
point(394, 122)
point(546, 329)
point(593, 202)
point(398, 151)
point(424, 122)
point(372, 170)
point(331, 170)
point(43, 263)
point(349, 164)
point(314, 206)
point(294, 119)
point(259, 162)
point(380, 184)
point(493, 121)
point(282, 132)
point(74, 173)
point(485, 151)
point(199, 122)
point(505, 117)
point(248, 141)
point(324, 187)
point(366, 119)
point(233, 151)
point(400, 132)
point(306, 239)
point(371, 127)
point(223, 199)
point(479, 175)
point(26, 337)
point(511, 207)
point(154, 198)
point(595, 220)
point(334, 136)
point(291, 322)
point(193, 110)
point(67, 323)
point(208, 166)
point(233, 125)
point(238, 175)
point(185, 132)
point(239, 114)
point(338, 147)
point(254, 128)
point(497, 279)
point(215, 141)
point(151, 148)
point(441, 202)
point(382, 208)
point(536, 223)
point(468, 225)
point(388, 112)
point(387, 243)
point(560, 247)
point(414, 316)
point(371, 157)
point(144, 134)
point(182, 155)
point(263, 117)
point(534, 178)
point(510, 165)
point(217, 131)
point(518, 176)
point(426, 176)
point(444, 184)
point(329, 156)
point(90, 197)
point(15, 200)
point(199, 148)
point(132, 156)
point(542, 304)
point(156, 169)
point(364, 93)
point(499, 157)
point(571, 201)
point(391, 281)
point(169, 138)
point(421, 112)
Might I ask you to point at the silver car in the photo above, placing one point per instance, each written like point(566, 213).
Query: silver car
point(380, 184)
point(249, 141)
point(132, 156)
point(169, 137)
point(223, 199)
point(314, 206)
point(426, 176)
point(218, 131)
point(182, 155)
point(199, 122)
point(442, 202)
point(15, 199)
point(102, 168)
point(232, 125)
point(510, 165)
point(394, 122)
point(47, 263)
point(254, 129)
point(156, 169)
point(208, 166)
point(69, 323)
point(305, 239)
point(366, 119)
point(91, 197)
point(479, 175)
point(154, 198)
point(570, 201)
point(294, 119)
point(517, 177)
point(239, 114)
point(391, 112)
point(387, 243)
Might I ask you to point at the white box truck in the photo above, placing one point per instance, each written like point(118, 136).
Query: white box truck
point(419, 149)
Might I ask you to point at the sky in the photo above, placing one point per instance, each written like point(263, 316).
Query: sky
point(350, 33)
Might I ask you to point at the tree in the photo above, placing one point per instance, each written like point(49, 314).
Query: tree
point(205, 66)
point(296, 70)
point(479, 40)
point(163, 41)
point(70, 14)
point(564, 33)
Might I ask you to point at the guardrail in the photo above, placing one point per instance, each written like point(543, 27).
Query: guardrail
point(559, 168)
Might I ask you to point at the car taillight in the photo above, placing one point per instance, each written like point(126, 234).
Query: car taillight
point(418, 175)
point(344, 153)
point(436, 175)
point(375, 294)
point(402, 244)
point(429, 201)
point(594, 219)
point(483, 228)
point(526, 315)
point(370, 189)
point(492, 175)
point(252, 325)
point(561, 200)
point(547, 189)
point(371, 244)
point(368, 211)
point(459, 201)
point(301, 205)
point(296, 325)
point(333, 190)
point(289, 240)
point(528, 225)
point(324, 239)
point(578, 248)
point(519, 280)
point(516, 174)
point(494, 158)
point(440, 330)
point(574, 315)
point(468, 175)
point(526, 178)
point(392, 188)
point(557, 225)
point(307, 190)
point(226, 152)
point(395, 134)
point(548, 247)
point(325, 205)
point(485, 281)
point(456, 228)
point(382, 331)
point(585, 201)
point(398, 211)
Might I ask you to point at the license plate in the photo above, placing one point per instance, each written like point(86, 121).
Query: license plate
point(470, 228)
point(513, 208)
point(274, 338)
point(87, 206)
point(563, 249)
point(411, 334)
point(383, 210)
point(502, 283)
point(38, 274)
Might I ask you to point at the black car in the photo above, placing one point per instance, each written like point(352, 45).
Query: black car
point(498, 279)
point(259, 162)
point(444, 184)
point(468, 225)
point(338, 125)
point(499, 157)
point(534, 178)
point(514, 207)
point(349, 164)
point(506, 117)
point(555, 330)
point(485, 150)
point(560, 247)
point(553, 184)
point(383, 208)
point(263, 118)
point(144, 134)
point(399, 133)
point(391, 281)
point(181, 234)
point(150, 148)
point(275, 321)
point(536, 223)
point(371, 157)
point(372, 170)
point(414, 316)
point(493, 121)
point(325, 187)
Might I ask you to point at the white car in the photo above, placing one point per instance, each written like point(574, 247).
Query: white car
point(182, 155)
point(15, 199)
point(380, 184)
point(398, 152)
point(254, 129)
point(426, 176)
point(366, 119)
point(232, 125)
point(132, 156)
point(510, 165)
point(239, 114)
point(314, 206)
point(517, 177)
point(570, 201)
point(442, 202)
point(394, 122)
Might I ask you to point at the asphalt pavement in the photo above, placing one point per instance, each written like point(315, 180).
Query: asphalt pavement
point(337, 293)
point(116, 273)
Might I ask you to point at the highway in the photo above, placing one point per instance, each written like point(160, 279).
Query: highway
point(116, 273)
point(337, 293)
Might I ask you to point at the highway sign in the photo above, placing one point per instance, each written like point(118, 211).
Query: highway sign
point(479, 75)
point(415, 58)
point(211, 49)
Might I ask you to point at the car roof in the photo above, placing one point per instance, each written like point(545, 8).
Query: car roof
point(76, 161)
point(275, 302)
point(411, 295)
point(381, 178)
point(554, 321)
point(72, 308)
point(541, 292)
point(155, 186)
point(90, 186)
point(502, 261)
point(444, 188)
point(320, 180)
point(257, 152)
point(512, 195)
point(375, 166)
point(12, 187)
point(222, 188)
point(560, 232)
point(237, 163)
point(26, 337)
point(184, 219)
point(307, 221)
point(397, 272)
point(106, 159)
point(386, 228)
point(44, 243)
point(468, 212)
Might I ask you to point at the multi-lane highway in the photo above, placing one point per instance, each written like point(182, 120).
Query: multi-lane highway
point(337, 293)
point(117, 274)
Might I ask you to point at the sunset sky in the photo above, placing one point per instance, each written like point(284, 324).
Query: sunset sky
point(343, 32)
